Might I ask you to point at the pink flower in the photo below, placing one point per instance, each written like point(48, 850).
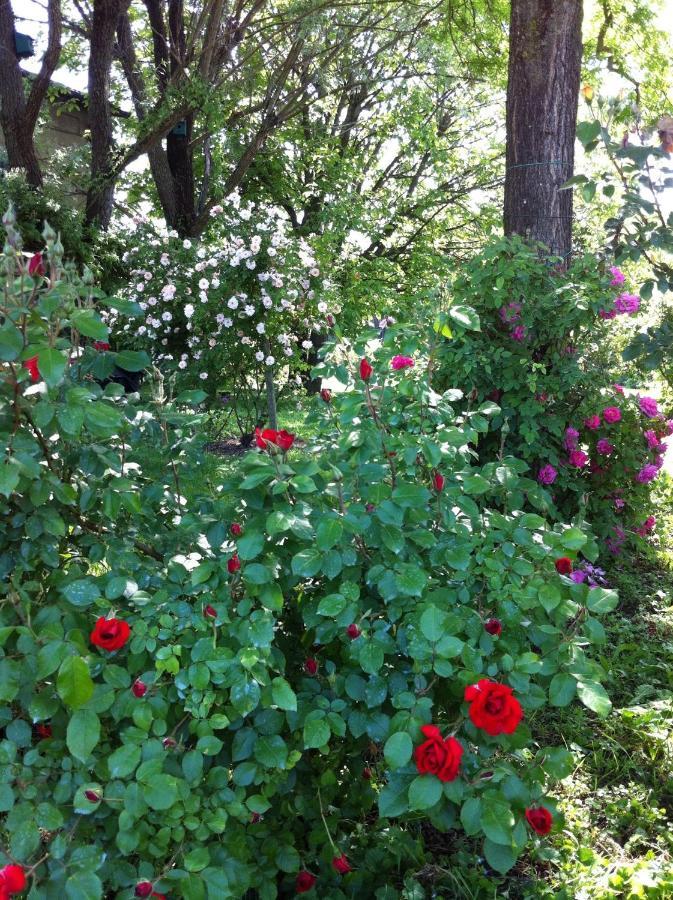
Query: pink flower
point(619, 503)
point(547, 474)
point(651, 438)
point(612, 414)
point(402, 362)
point(604, 447)
point(607, 313)
point(648, 406)
point(618, 389)
point(669, 426)
point(658, 462)
point(648, 473)
point(578, 576)
point(615, 544)
point(593, 422)
point(627, 303)
point(519, 333)
point(618, 277)
point(570, 439)
point(510, 313)
point(578, 458)
point(647, 526)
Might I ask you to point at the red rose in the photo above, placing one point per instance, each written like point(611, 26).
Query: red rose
point(326, 395)
point(353, 631)
point(305, 881)
point(12, 880)
point(110, 634)
point(101, 345)
point(341, 865)
point(493, 626)
point(284, 440)
point(493, 707)
point(255, 818)
point(329, 318)
point(233, 564)
point(139, 688)
point(365, 370)
point(367, 774)
point(36, 265)
point(539, 819)
point(92, 796)
point(236, 529)
point(564, 565)
point(143, 889)
point(169, 743)
point(31, 365)
point(437, 756)
point(311, 666)
point(210, 611)
point(43, 730)
point(438, 482)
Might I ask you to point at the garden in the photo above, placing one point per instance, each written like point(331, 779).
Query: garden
point(336, 495)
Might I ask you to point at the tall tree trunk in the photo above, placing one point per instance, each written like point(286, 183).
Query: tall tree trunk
point(100, 194)
point(178, 147)
point(545, 54)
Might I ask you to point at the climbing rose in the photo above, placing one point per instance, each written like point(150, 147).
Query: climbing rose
point(438, 482)
point(519, 333)
point(110, 634)
point(402, 362)
point(311, 666)
point(493, 626)
point(648, 406)
point(143, 889)
point(647, 473)
point(326, 396)
point(305, 881)
point(578, 458)
point(570, 439)
point(31, 365)
point(236, 529)
point(618, 276)
point(652, 439)
point(612, 414)
point(12, 880)
point(365, 370)
point(539, 819)
point(210, 611)
point(564, 565)
point(547, 475)
point(618, 389)
point(627, 303)
point(43, 730)
point(139, 688)
point(101, 345)
point(282, 438)
point(92, 796)
point(341, 865)
point(353, 631)
point(593, 422)
point(607, 313)
point(234, 564)
point(604, 447)
point(493, 707)
point(438, 756)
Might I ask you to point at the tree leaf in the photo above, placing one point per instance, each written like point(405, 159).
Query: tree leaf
point(73, 683)
point(83, 733)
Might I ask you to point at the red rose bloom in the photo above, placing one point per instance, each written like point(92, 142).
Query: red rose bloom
point(326, 395)
point(92, 796)
point(365, 370)
point(236, 529)
point(305, 881)
point(31, 365)
point(110, 634)
point(282, 439)
point(36, 265)
point(139, 688)
point(233, 564)
point(210, 612)
point(143, 889)
point(101, 345)
point(311, 666)
point(353, 631)
point(341, 865)
point(564, 565)
point(437, 756)
point(493, 707)
point(12, 880)
point(43, 730)
point(438, 482)
point(493, 626)
point(539, 819)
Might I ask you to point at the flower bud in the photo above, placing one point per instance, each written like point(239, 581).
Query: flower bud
point(169, 743)
point(92, 796)
point(311, 666)
point(143, 889)
point(353, 631)
point(139, 688)
point(326, 396)
point(236, 529)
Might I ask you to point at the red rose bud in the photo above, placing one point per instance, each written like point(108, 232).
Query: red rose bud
point(493, 626)
point(438, 482)
point(539, 819)
point(110, 634)
point(101, 345)
point(139, 688)
point(169, 743)
point(353, 631)
point(255, 818)
point(305, 881)
point(43, 730)
point(311, 666)
point(341, 865)
point(564, 565)
point(365, 370)
point(12, 881)
point(92, 796)
point(210, 612)
point(31, 365)
point(143, 889)
point(236, 529)
point(36, 265)
point(329, 318)
point(367, 774)
point(325, 395)
point(234, 564)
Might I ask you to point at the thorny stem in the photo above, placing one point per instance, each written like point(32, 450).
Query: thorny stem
point(324, 821)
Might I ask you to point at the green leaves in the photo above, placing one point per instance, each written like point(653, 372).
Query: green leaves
point(81, 593)
point(424, 792)
point(73, 683)
point(316, 732)
point(594, 696)
point(328, 534)
point(283, 695)
point(562, 689)
point(433, 623)
point(83, 733)
point(398, 749)
point(51, 364)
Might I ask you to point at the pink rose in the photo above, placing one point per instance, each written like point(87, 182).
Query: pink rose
point(618, 277)
point(547, 475)
point(627, 304)
point(593, 422)
point(578, 458)
point(612, 414)
point(402, 362)
point(570, 439)
point(648, 406)
point(604, 447)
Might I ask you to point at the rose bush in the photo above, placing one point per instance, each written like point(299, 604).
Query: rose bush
point(175, 725)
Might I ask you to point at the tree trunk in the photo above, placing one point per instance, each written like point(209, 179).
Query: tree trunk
point(545, 55)
point(178, 147)
point(100, 194)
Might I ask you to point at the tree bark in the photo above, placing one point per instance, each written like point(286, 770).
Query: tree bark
point(100, 194)
point(545, 55)
point(178, 147)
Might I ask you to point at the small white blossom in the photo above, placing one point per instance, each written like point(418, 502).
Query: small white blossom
point(270, 360)
point(166, 316)
point(259, 328)
point(232, 303)
point(168, 291)
point(259, 356)
point(203, 376)
point(204, 284)
point(187, 244)
point(322, 307)
point(201, 253)
point(227, 323)
point(182, 364)
point(189, 310)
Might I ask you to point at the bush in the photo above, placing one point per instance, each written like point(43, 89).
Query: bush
point(261, 687)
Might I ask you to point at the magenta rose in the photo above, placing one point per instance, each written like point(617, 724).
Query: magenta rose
point(612, 414)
